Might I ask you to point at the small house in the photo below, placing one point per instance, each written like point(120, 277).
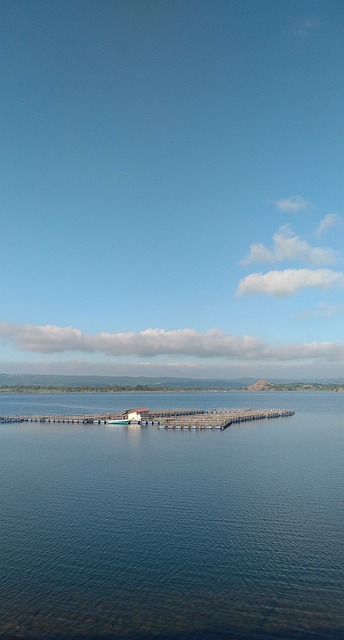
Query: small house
point(136, 415)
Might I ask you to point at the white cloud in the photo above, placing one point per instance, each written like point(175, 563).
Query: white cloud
point(155, 342)
point(324, 310)
point(293, 204)
point(258, 253)
point(288, 281)
point(46, 338)
point(150, 342)
point(329, 221)
point(288, 246)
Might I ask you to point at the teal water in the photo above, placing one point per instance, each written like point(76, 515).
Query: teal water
point(137, 533)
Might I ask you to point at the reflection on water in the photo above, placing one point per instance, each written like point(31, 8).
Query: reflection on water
point(134, 432)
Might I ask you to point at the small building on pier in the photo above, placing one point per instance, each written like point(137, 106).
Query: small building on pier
point(136, 415)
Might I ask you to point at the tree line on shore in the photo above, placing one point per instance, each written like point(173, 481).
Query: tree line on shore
point(268, 386)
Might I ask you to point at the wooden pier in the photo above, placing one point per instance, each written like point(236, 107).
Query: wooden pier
point(87, 419)
point(216, 419)
point(176, 419)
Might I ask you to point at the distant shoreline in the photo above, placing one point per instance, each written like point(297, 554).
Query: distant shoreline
point(271, 387)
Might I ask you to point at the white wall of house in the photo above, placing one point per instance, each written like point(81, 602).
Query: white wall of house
point(134, 414)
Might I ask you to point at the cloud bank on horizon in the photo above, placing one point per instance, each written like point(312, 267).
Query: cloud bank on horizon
point(154, 342)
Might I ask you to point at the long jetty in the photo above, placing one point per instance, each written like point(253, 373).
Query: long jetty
point(176, 419)
point(218, 419)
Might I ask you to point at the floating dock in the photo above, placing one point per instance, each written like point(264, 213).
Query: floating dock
point(176, 419)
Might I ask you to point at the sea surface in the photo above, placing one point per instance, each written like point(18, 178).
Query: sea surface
point(137, 533)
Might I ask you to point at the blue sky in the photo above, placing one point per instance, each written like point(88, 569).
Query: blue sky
point(172, 187)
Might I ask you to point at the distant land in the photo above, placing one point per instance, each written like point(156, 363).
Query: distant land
point(266, 385)
point(33, 382)
point(59, 383)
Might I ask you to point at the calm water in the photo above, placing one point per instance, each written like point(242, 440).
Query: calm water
point(137, 533)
